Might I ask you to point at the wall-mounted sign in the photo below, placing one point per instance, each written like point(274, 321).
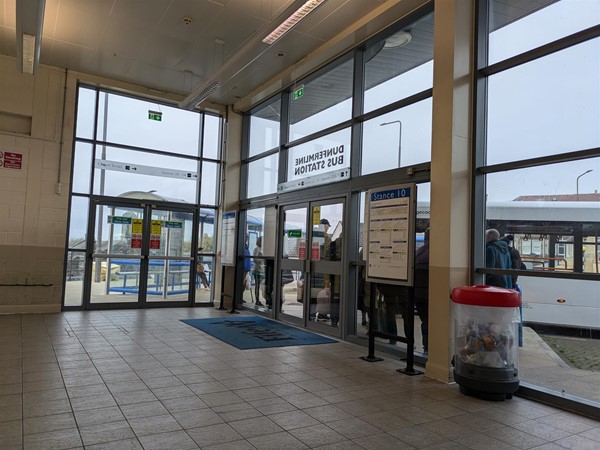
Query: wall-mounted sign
point(316, 215)
point(228, 238)
point(172, 224)
point(302, 249)
point(104, 164)
point(390, 219)
point(155, 115)
point(11, 160)
point(294, 233)
point(118, 220)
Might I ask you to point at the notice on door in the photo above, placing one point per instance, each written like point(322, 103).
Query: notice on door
point(155, 231)
point(390, 220)
point(136, 233)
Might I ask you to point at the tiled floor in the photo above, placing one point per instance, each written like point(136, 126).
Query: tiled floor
point(142, 379)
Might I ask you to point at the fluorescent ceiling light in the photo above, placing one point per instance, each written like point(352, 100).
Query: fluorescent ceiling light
point(28, 53)
point(29, 24)
point(197, 99)
point(292, 21)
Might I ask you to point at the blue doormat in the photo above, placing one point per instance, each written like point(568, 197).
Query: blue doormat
point(256, 332)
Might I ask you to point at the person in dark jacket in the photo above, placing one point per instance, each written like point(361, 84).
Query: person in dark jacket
point(421, 283)
point(497, 256)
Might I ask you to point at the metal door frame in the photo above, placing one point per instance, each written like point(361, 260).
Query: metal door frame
point(144, 258)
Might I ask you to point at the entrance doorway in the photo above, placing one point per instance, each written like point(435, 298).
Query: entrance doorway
point(311, 265)
point(139, 255)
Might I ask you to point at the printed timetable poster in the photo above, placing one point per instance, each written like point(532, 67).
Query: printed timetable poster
point(390, 223)
point(228, 238)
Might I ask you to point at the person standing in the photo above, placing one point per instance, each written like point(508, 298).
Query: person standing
point(258, 269)
point(200, 269)
point(497, 256)
point(421, 284)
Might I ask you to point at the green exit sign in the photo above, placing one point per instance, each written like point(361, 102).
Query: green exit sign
point(298, 93)
point(295, 233)
point(155, 115)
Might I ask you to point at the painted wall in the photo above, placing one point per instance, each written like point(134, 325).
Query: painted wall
point(33, 216)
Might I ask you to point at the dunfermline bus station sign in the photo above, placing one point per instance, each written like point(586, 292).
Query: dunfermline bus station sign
point(317, 163)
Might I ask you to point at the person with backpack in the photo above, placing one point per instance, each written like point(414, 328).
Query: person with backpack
point(515, 258)
point(497, 256)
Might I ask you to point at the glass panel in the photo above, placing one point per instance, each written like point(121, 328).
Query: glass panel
point(400, 138)
point(264, 128)
point(74, 280)
point(162, 177)
point(78, 223)
point(123, 284)
point(516, 27)
point(86, 110)
point(560, 319)
point(294, 240)
point(132, 121)
point(325, 154)
point(118, 230)
point(326, 101)
point(525, 100)
point(171, 233)
point(262, 222)
point(327, 232)
point(212, 137)
point(292, 292)
point(82, 168)
point(324, 298)
point(263, 176)
point(209, 184)
point(400, 65)
point(206, 230)
point(168, 280)
point(204, 278)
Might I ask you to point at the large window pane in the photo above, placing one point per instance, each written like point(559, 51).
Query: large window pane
point(125, 120)
point(262, 222)
point(212, 137)
point(326, 101)
point(546, 107)
point(325, 154)
point(264, 128)
point(160, 174)
point(262, 176)
point(78, 223)
point(516, 27)
point(400, 138)
point(399, 65)
point(206, 230)
point(209, 184)
point(82, 165)
point(86, 110)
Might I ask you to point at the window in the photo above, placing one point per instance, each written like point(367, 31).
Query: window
point(262, 176)
point(264, 128)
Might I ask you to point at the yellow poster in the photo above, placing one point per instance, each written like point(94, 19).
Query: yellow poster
point(156, 227)
point(136, 226)
point(316, 215)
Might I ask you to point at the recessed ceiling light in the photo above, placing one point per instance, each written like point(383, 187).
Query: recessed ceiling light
point(398, 39)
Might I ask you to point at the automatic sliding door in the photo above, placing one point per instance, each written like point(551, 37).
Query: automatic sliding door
point(117, 254)
point(170, 271)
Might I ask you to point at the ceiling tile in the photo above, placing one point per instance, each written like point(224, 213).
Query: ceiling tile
point(98, 8)
point(79, 28)
point(140, 12)
point(157, 77)
point(201, 13)
point(124, 39)
point(50, 15)
point(164, 51)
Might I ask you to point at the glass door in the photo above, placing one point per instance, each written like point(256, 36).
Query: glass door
point(140, 254)
point(311, 263)
point(171, 275)
point(115, 275)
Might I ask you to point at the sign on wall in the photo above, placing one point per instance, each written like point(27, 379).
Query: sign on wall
point(11, 160)
point(390, 219)
point(228, 239)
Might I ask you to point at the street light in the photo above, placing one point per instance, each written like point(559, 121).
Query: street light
point(584, 173)
point(399, 136)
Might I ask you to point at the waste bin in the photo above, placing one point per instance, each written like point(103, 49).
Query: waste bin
point(486, 335)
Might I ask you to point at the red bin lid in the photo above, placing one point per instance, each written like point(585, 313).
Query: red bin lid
point(482, 295)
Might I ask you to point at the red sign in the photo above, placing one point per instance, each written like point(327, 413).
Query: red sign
point(136, 241)
point(10, 160)
point(155, 241)
point(315, 253)
point(302, 249)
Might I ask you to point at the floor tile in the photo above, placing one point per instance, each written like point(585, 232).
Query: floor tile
point(106, 432)
point(277, 441)
point(179, 440)
point(154, 425)
point(316, 435)
point(213, 434)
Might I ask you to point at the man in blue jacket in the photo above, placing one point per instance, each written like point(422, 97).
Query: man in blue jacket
point(497, 256)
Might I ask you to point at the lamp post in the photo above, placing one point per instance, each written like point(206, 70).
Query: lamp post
point(584, 173)
point(399, 136)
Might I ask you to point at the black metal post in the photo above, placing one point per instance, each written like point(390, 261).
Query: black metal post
point(371, 356)
point(410, 335)
point(221, 307)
